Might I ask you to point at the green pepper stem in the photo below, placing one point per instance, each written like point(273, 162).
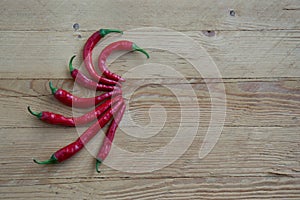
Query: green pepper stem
point(71, 68)
point(104, 32)
point(98, 162)
point(52, 160)
point(137, 48)
point(38, 115)
point(53, 89)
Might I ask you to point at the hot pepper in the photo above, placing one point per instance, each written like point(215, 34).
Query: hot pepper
point(68, 99)
point(87, 55)
point(119, 45)
point(110, 134)
point(71, 149)
point(57, 119)
point(84, 81)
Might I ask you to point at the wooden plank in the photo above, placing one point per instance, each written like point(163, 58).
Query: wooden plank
point(189, 15)
point(39, 88)
point(45, 55)
point(255, 45)
point(255, 103)
point(240, 152)
point(163, 188)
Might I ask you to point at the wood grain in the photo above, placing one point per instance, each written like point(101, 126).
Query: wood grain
point(255, 46)
point(202, 15)
point(237, 54)
point(240, 152)
point(164, 188)
point(248, 103)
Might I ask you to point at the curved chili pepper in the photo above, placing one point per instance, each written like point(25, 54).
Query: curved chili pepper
point(87, 55)
point(71, 149)
point(84, 81)
point(110, 134)
point(119, 45)
point(52, 118)
point(57, 119)
point(68, 99)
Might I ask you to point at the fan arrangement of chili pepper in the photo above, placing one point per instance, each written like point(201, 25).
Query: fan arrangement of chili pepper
point(109, 106)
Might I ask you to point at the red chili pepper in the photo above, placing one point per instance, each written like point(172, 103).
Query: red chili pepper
point(84, 81)
point(119, 45)
point(71, 149)
point(87, 55)
point(110, 134)
point(57, 119)
point(52, 118)
point(68, 99)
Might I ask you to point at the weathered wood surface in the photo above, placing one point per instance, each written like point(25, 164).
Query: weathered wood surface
point(189, 15)
point(237, 54)
point(256, 50)
point(241, 158)
point(248, 103)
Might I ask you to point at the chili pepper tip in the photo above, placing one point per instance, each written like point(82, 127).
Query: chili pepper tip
point(104, 32)
point(137, 48)
point(71, 68)
point(38, 115)
point(52, 160)
point(98, 162)
point(53, 89)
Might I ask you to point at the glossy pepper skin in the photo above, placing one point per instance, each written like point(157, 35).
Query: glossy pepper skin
point(57, 119)
point(84, 81)
point(71, 149)
point(53, 118)
point(68, 99)
point(122, 45)
point(87, 55)
point(110, 134)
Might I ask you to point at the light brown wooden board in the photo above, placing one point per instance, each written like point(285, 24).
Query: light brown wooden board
point(248, 103)
point(164, 188)
point(237, 54)
point(175, 14)
point(256, 51)
point(240, 152)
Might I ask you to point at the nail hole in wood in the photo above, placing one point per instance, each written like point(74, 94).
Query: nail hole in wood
point(209, 33)
point(76, 26)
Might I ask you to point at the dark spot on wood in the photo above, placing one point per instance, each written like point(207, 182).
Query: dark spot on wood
point(232, 13)
point(291, 9)
point(79, 36)
point(76, 26)
point(209, 33)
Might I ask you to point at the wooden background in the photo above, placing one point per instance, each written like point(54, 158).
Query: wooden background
point(257, 51)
